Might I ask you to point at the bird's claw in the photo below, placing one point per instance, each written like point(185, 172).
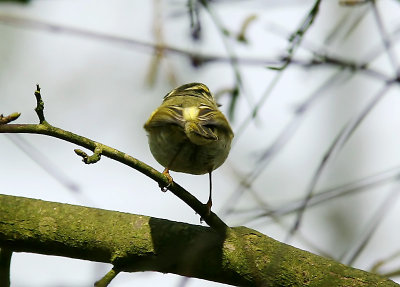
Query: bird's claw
point(169, 178)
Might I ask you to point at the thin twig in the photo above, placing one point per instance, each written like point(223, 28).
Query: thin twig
point(336, 146)
point(233, 60)
point(44, 162)
point(385, 38)
point(373, 224)
point(281, 140)
point(198, 58)
point(296, 37)
point(106, 280)
point(7, 119)
point(327, 195)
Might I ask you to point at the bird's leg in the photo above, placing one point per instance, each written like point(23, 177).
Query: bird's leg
point(169, 177)
point(209, 202)
point(166, 172)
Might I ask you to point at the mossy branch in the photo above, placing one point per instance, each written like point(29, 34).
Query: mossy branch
point(243, 257)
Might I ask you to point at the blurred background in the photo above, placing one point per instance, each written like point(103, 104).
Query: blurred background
point(311, 89)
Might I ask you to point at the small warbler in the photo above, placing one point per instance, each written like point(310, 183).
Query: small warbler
point(188, 133)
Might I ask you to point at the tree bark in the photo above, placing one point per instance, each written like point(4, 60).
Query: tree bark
point(241, 257)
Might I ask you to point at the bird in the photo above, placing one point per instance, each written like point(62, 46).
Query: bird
point(188, 133)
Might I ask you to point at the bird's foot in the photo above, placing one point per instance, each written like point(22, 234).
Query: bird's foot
point(169, 178)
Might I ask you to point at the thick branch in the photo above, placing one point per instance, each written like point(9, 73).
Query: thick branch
point(242, 257)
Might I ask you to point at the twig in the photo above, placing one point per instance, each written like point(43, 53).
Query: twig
point(296, 37)
point(5, 261)
point(44, 162)
point(337, 145)
point(241, 36)
point(95, 157)
point(106, 280)
point(375, 268)
point(373, 224)
point(385, 38)
point(364, 184)
point(7, 119)
point(233, 60)
point(199, 59)
point(39, 105)
point(281, 140)
point(194, 15)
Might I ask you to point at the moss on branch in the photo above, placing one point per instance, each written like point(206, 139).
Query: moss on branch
point(242, 257)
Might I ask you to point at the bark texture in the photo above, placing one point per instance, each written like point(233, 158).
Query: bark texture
point(241, 256)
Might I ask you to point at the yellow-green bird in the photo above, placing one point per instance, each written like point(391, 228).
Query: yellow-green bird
point(188, 133)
